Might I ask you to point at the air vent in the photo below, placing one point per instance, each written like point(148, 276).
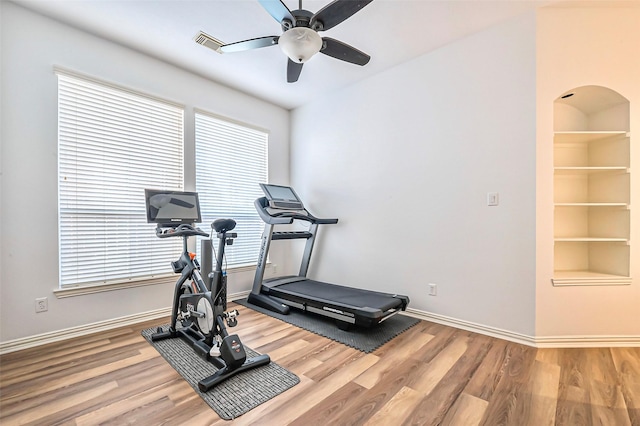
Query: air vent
point(207, 41)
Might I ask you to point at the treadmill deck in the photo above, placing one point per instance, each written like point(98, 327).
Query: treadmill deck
point(364, 302)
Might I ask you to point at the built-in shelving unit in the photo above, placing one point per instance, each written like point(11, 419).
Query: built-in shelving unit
point(591, 188)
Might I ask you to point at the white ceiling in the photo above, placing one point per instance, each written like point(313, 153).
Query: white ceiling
point(391, 31)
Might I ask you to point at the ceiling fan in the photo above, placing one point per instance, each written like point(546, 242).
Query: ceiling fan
point(300, 39)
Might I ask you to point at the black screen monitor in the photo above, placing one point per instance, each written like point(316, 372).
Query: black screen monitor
point(172, 207)
point(282, 197)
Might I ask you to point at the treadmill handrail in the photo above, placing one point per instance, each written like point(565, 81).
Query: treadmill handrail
point(287, 216)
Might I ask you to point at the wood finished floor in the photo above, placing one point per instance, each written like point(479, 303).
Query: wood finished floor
point(431, 374)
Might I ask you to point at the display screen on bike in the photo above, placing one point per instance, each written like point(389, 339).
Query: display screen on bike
point(172, 207)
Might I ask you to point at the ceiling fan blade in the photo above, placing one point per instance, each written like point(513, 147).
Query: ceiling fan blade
point(344, 52)
point(293, 71)
point(278, 10)
point(254, 43)
point(336, 12)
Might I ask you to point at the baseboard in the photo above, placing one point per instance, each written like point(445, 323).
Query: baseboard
point(538, 341)
point(474, 327)
point(238, 295)
point(83, 330)
point(588, 342)
point(79, 331)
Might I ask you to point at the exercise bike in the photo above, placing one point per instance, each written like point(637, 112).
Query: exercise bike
point(200, 307)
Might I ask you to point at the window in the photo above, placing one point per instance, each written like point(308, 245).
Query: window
point(112, 144)
point(231, 160)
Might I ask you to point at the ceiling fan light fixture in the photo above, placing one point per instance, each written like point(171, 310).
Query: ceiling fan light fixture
point(300, 43)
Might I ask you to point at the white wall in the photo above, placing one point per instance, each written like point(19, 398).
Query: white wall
point(31, 46)
point(405, 160)
point(578, 47)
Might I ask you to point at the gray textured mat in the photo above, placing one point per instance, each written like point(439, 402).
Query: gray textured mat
point(363, 339)
point(236, 395)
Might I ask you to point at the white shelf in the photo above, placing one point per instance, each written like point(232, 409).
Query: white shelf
point(588, 136)
point(591, 239)
point(571, 278)
point(625, 205)
point(590, 170)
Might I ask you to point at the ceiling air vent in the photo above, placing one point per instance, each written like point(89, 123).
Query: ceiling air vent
point(207, 41)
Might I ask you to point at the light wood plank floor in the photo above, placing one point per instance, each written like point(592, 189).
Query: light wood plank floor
point(431, 374)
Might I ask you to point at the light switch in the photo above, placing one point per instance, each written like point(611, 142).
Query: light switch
point(492, 199)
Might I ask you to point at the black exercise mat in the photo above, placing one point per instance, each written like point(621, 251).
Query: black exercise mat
point(364, 339)
point(236, 395)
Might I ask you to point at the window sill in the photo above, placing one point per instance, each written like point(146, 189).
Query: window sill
point(81, 290)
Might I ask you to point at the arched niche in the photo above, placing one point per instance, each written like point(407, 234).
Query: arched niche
point(592, 187)
point(591, 108)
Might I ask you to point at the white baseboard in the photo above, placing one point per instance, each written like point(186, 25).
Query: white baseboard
point(238, 295)
point(588, 342)
point(83, 330)
point(471, 326)
point(79, 331)
point(537, 341)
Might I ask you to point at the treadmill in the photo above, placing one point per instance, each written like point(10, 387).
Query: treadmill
point(348, 306)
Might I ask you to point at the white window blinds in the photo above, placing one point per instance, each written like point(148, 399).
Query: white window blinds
point(231, 160)
point(112, 144)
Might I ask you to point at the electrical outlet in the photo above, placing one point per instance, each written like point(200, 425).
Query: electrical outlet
point(433, 289)
point(42, 304)
point(493, 199)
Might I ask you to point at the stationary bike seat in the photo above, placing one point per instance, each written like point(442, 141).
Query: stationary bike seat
point(223, 225)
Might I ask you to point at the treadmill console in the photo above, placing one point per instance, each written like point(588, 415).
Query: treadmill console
point(282, 197)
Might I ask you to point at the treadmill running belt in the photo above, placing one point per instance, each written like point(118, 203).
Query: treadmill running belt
point(355, 297)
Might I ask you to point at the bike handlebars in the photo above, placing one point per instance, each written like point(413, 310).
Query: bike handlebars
point(184, 230)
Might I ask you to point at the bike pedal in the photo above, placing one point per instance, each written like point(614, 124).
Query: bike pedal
point(214, 351)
